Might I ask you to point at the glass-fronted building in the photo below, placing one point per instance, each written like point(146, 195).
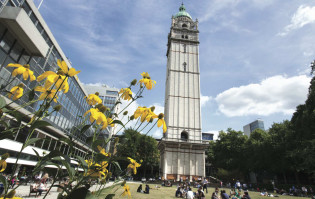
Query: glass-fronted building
point(109, 97)
point(257, 124)
point(26, 39)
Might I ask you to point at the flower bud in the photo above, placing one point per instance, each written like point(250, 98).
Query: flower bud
point(133, 82)
point(125, 113)
point(27, 66)
point(151, 120)
point(5, 156)
point(21, 85)
point(152, 108)
point(97, 93)
point(57, 108)
point(161, 116)
point(132, 117)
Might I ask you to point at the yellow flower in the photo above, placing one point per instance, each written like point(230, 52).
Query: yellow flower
point(161, 122)
point(133, 165)
point(16, 92)
point(93, 99)
point(60, 81)
point(126, 191)
point(146, 80)
point(47, 93)
point(96, 170)
point(68, 72)
point(144, 112)
point(96, 115)
point(3, 163)
point(23, 70)
point(126, 93)
point(102, 151)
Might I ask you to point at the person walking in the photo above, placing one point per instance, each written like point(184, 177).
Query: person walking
point(205, 185)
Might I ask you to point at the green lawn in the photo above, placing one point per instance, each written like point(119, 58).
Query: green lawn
point(169, 193)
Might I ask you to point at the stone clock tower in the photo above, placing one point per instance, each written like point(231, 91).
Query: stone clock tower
point(182, 149)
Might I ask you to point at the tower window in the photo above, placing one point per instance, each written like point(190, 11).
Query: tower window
point(184, 25)
point(184, 48)
point(184, 64)
point(183, 36)
point(186, 37)
point(184, 136)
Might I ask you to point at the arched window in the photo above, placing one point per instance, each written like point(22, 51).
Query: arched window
point(184, 25)
point(185, 65)
point(183, 36)
point(184, 48)
point(186, 37)
point(184, 136)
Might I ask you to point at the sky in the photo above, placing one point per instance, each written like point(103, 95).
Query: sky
point(254, 55)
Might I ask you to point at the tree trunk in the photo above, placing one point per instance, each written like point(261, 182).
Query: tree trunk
point(297, 177)
point(285, 178)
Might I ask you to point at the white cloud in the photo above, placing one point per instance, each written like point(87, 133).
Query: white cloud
point(277, 94)
point(303, 16)
point(204, 100)
point(158, 133)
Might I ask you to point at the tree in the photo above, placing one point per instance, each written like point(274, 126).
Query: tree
point(228, 152)
point(140, 148)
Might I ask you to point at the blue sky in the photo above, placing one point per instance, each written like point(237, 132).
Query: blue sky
point(254, 54)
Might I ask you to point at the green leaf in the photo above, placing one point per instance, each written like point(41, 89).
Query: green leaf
point(39, 124)
point(31, 141)
point(96, 143)
point(2, 102)
point(37, 154)
point(18, 116)
point(82, 161)
point(4, 182)
point(70, 169)
point(118, 122)
point(110, 196)
point(31, 95)
point(79, 193)
point(3, 123)
point(117, 165)
point(85, 128)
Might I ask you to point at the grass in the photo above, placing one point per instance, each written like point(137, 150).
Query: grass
point(169, 192)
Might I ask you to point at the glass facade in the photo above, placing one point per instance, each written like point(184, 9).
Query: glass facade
point(258, 124)
point(207, 136)
point(73, 103)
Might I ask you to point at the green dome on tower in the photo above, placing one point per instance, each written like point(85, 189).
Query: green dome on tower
point(182, 12)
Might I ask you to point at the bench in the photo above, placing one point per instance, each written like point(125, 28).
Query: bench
point(33, 190)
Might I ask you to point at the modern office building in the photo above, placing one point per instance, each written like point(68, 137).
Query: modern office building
point(109, 97)
point(182, 148)
point(257, 124)
point(207, 136)
point(26, 39)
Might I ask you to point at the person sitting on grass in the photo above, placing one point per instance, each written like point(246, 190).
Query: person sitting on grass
point(140, 189)
point(246, 196)
point(190, 194)
point(147, 189)
point(178, 193)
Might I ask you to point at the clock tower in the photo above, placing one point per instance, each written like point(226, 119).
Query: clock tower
point(182, 149)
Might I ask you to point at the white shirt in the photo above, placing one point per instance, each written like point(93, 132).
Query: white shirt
point(190, 195)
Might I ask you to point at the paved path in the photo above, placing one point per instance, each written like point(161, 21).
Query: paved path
point(24, 190)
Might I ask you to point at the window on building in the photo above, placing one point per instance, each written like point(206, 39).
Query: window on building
point(186, 37)
point(184, 25)
point(184, 48)
point(111, 92)
point(40, 142)
point(184, 136)
point(183, 36)
point(185, 65)
point(7, 42)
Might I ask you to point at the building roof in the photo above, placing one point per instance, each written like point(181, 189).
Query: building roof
point(182, 12)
